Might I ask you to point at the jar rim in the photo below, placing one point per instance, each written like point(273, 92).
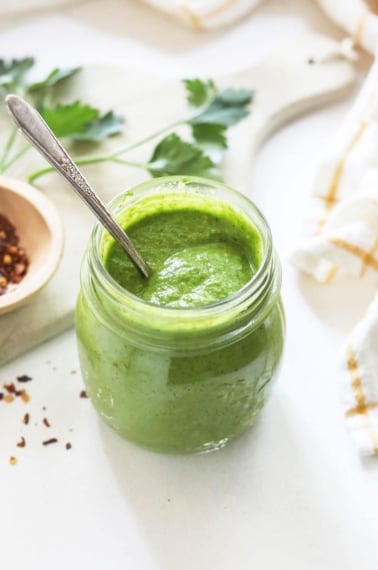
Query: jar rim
point(135, 193)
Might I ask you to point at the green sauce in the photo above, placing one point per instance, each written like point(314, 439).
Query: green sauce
point(179, 372)
point(196, 258)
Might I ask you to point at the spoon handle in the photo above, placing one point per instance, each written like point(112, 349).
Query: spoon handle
point(39, 134)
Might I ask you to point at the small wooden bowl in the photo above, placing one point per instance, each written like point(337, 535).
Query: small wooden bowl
point(39, 227)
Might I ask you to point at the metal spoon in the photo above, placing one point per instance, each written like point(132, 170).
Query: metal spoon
point(34, 128)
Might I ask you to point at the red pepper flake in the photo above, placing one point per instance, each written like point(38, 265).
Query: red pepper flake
point(83, 394)
point(10, 388)
point(50, 441)
point(25, 396)
point(46, 422)
point(13, 260)
point(12, 460)
point(24, 378)
point(8, 398)
point(26, 419)
point(22, 442)
point(68, 446)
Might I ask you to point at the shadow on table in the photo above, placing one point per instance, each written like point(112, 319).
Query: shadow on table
point(370, 465)
point(265, 497)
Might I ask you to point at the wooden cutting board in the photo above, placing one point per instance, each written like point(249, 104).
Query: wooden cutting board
point(301, 75)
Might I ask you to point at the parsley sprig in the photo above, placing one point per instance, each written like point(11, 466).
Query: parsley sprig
point(211, 113)
point(76, 120)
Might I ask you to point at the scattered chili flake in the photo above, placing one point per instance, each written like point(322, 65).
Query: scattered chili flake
point(25, 396)
point(13, 260)
point(11, 389)
point(10, 393)
point(24, 378)
point(49, 441)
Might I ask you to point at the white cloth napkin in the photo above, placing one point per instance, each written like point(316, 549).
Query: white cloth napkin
point(20, 6)
point(358, 17)
point(205, 14)
point(341, 237)
point(359, 382)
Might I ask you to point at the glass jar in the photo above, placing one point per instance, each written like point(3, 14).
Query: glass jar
point(179, 379)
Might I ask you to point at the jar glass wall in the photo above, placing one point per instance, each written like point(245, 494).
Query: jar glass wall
point(179, 379)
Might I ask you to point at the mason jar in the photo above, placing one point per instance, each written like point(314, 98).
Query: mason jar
point(175, 379)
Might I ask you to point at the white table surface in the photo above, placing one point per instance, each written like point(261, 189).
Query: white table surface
point(291, 493)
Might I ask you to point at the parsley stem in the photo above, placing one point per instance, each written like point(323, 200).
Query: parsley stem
point(113, 157)
point(88, 160)
point(79, 161)
point(18, 154)
point(141, 165)
point(7, 149)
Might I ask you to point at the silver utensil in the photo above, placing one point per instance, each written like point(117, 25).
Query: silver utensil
point(34, 128)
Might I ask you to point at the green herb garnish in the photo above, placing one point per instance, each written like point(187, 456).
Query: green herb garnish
point(175, 156)
point(53, 78)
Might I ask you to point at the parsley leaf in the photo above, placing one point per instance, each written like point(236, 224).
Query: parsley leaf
point(76, 120)
point(208, 133)
point(199, 92)
point(55, 76)
point(12, 72)
point(235, 97)
point(175, 156)
point(211, 139)
point(220, 115)
point(226, 107)
point(215, 111)
point(81, 122)
point(107, 125)
point(69, 120)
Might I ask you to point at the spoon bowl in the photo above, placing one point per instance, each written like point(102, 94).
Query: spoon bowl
point(39, 227)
